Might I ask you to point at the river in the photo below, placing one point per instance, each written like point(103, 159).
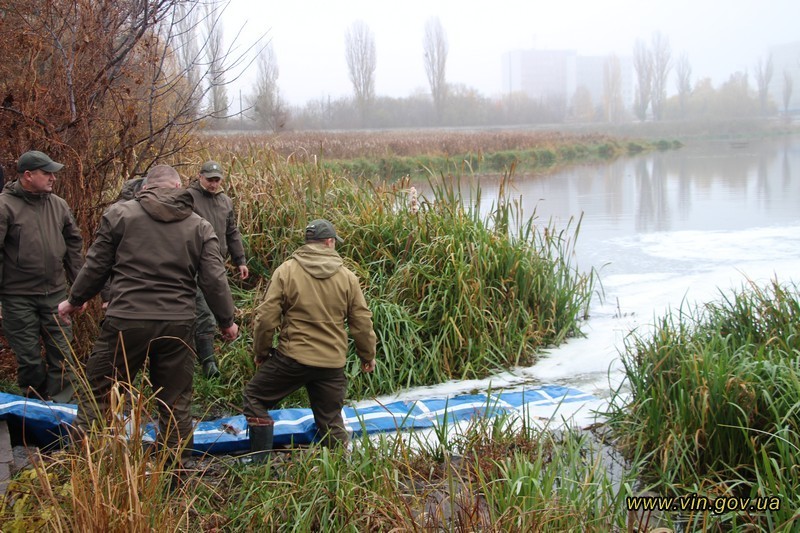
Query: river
point(663, 229)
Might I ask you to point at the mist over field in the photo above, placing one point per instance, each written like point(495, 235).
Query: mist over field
point(704, 58)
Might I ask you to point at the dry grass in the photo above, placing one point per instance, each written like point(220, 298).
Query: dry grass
point(310, 146)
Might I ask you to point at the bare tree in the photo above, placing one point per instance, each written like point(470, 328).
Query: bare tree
point(683, 72)
point(266, 106)
point(788, 85)
point(763, 79)
point(215, 53)
point(361, 62)
point(643, 66)
point(612, 89)
point(436, 48)
point(661, 57)
point(188, 53)
point(100, 86)
point(107, 87)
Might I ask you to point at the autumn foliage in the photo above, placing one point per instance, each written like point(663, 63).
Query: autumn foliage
point(93, 83)
point(99, 86)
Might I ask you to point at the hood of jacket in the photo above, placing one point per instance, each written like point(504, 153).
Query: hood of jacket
point(318, 260)
point(16, 188)
point(166, 205)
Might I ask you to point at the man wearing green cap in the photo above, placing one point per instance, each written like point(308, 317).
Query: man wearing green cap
point(40, 249)
point(211, 203)
point(310, 299)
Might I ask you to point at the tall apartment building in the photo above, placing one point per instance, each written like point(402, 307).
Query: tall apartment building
point(548, 75)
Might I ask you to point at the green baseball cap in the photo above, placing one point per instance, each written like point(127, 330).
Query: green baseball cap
point(211, 169)
point(320, 229)
point(35, 160)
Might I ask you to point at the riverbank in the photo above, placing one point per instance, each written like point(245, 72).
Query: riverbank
point(710, 403)
point(516, 479)
point(422, 154)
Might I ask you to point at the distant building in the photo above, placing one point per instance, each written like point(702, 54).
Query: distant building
point(540, 74)
point(785, 61)
point(556, 75)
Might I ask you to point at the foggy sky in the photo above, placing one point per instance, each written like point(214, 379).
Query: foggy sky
point(308, 36)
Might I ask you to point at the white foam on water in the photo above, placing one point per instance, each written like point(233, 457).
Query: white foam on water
point(669, 270)
point(698, 267)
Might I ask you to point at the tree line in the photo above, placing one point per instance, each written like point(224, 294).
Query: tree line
point(452, 105)
point(110, 87)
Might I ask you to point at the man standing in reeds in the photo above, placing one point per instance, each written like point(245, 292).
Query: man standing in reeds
point(159, 251)
point(211, 203)
point(310, 299)
point(40, 249)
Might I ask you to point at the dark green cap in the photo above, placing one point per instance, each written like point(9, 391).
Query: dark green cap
point(320, 229)
point(211, 169)
point(35, 160)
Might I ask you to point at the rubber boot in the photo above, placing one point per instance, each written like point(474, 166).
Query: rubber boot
point(66, 395)
point(260, 432)
point(205, 356)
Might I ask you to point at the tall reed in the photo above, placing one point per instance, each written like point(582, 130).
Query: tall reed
point(712, 397)
point(491, 475)
point(114, 479)
point(454, 294)
point(498, 474)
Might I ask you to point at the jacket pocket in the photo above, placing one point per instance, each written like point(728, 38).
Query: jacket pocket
point(12, 247)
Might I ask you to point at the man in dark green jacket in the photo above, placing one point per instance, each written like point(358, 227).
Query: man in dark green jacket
point(40, 249)
point(211, 203)
point(159, 252)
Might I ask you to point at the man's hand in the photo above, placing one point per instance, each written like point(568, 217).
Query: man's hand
point(244, 272)
point(368, 366)
point(230, 333)
point(66, 310)
point(261, 358)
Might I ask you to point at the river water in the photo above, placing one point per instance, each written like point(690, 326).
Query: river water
point(663, 229)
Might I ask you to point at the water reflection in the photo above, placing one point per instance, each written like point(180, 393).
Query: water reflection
point(663, 230)
point(708, 186)
point(652, 209)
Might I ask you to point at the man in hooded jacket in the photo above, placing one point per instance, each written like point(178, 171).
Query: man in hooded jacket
point(211, 203)
point(310, 299)
point(41, 248)
point(156, 251)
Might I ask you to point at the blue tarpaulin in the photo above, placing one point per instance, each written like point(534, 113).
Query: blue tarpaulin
point(45, 424)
